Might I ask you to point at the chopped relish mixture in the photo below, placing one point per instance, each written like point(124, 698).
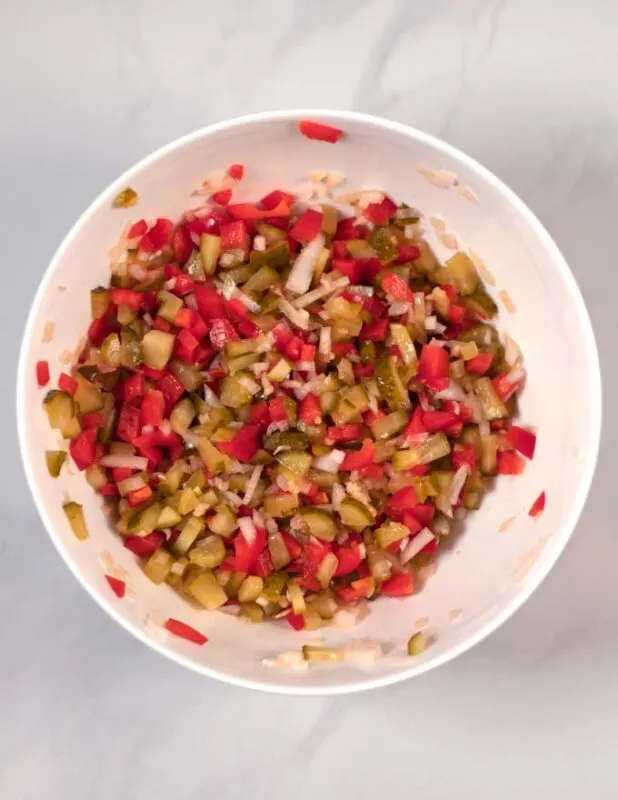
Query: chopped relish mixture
point(290, 409)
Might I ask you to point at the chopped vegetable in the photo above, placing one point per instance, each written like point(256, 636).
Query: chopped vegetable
point(319, 131)
point(537, 508)
point(287, 410)
point(128, 197)
point(416, 644)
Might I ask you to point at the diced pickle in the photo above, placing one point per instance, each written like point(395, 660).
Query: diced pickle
point(208, 552)
point(290, 440)
point(252, 612)
point(381, 239)
point(144, 520)
point(276, 256)
point(390, 425)
point(262, 280)
point(491, 404)
point(215, 461)
point(233, 393)
point(416, 644)
point(130, 349)
point(403, 340)
point(169, 306)
point(210, 249)
point(206, 590)
point(88, 398)
point(55, 459)
point(463, 273)
point(99, 300)
point(295, 461)
point(355, 514)
point(436, 446)
point(389, 533)
point(61, 413)
point(280, 505)
point(158, 566)
point(223, 522)
point(250, 589)
point(187, 536)
point(157, 348)
point(182, 415)
point(168, 518)
point(315, 653)
point(390, 384)
point(319, 523)
point(75, 515)
point(187, 374)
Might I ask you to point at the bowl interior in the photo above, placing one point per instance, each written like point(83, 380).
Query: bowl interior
point(489, 570)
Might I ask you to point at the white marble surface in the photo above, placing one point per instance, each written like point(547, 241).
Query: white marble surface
point(526, 86)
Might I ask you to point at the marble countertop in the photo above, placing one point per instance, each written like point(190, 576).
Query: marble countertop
point(526, 86)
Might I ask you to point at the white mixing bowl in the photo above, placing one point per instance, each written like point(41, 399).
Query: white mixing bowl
point(488, 574)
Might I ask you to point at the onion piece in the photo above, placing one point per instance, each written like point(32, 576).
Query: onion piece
point(119, 460)
point(298, 317)
point(301, 274)
point(337, 495)
point(247, 529)
point(252, 484)
point(251, 386)
point(457, 484)
point(325, 345)
point(331, 462)
point(131, 484)
point(417, 543)
point(320, 292)
point(399, 307)
point(211, 398)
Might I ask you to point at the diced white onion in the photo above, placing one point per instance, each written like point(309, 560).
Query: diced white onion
point(247, 529)
point(331, 462)
point(119, 460)
point(299, 317)
point(138, 272)
point(247, 301)
point(325, 345)
point(337, 495)
point(416, 544)
point(320, 292)
point(457, 484)
point(211, 398)
point(191, 301)
point(259, 243)
point(131, 484)
point(364, 652)
point(399, 307)
point(252, 484)
point(303, 268)
point(251, 386)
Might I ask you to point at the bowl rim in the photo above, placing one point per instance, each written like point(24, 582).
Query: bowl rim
point(593, 379)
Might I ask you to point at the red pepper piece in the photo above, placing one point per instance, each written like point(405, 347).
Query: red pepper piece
point(182, 245)
point(350, 268)
point(244, 445)
point(359, 589)
point(509, 463)
point(522, 440)
point(92, 420)
point(222, 197)
point(117, 586)
point(349, 558)
point(400, 585)
point(127, 297)
point(67, 384)
point(319, 131)
point(250, 212)
point(307, 226)
point(375, 331)
point(82, 448)
point(128, 422)
point(277, 409)
point(139, 496)
point(407, 252)
point(424, 513)
point(297, 621)
point(360, 458)
point(350, 432)
point(537, 508)
point(403, 499)
point(464, 455)
point(480, 363)
point(433, 367)
point(153, 407)
point(434, 421)
point(42, 373)
point(258, 414)
point(234, 235)
point(210, 304)
point(184, 631)
point(380, 213)
point(309, 410)
point(145, 546)
point(222, 331)
point(138, 228)
point(133, 386)
point(411, 523)
point(273, 199)
point(236, 171)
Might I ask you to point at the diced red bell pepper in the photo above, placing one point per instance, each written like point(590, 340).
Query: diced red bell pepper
point(153, 407)
point(509, 463)
point(505, 386)
point(416, 424)
point(82, 448)
point(380, 213)
point(184, 631)
point(42, 373)
point(210, 303)
point(221, 197)
point(121, 473)
point(273, 199)
point(407, 252)
point(410, 521)
point(244, 445)
point(158, 236)
point(464, 455)
point(456, 314)
point(133, 386)
point(145, 546)
point(363, 370)
point(434, 421)
point(146, 446)
point(403, 499)
point(138, 228)
point(537, 508)
point(128, 422)
point(349, 558)
point(127, 297)
point(139, 496)
point(339, 249)
point(294, 547)
point(347, 229)
point(349, 432)
point(92, 420)
point(522, 440)
point(373, 472)
point(67, 384)
point(307, 352)
point(433, 367)
point(360, 458)
point(263, 565)
point(359, 589)
point(350, 268)
point(99, 329)
point(297, 621)
point(293, 348)
point(222, 331)
point(277, 409)
point(236, 171)
point(309, 410)
point(342, 349)
point(182, 245)
point(307, 226)
point(258, 414)
point(375, 331)
point(161, 324)
point(424, 513)
point(400, 585)
point(319, 131)
point(248, 212)
point(172, 390)
point(234, 235)
point(245, 554)
point(247, 329)
point(480, 363)
point(117, 586)
point(187, 340)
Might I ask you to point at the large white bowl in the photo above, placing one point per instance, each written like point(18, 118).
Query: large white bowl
point(488, 574)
